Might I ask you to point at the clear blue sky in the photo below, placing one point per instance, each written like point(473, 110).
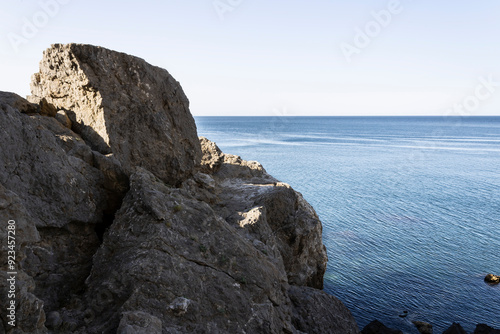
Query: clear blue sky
point(256, 57)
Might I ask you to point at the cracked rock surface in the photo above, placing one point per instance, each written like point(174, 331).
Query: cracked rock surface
point(130, 223)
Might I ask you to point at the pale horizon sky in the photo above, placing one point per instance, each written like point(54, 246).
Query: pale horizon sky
point(285, 58)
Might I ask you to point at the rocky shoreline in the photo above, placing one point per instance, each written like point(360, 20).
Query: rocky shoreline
point(127, 222)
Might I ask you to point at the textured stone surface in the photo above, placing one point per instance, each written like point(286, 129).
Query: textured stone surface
point(46, 175)
point(275, 217)
point(423, 327)
point(209, 277)
point(30, 316)
point(55, 187)
point(122, 105)
point(139, 323)
point(317, 312)
point(128, 228)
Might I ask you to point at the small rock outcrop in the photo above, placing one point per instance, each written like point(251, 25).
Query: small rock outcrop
point(455, 328)
point(492, 279)
point(376, 327)
point(423, 327)
point(485, 329)
point(130, 223)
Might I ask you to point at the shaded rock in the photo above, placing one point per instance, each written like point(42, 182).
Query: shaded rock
point(492, 279)
point(485, 329)
point(122, 105)
point(139, 323)
point(44, 107)
point(62, 118)
point(17, 102)
point(63, 196)
point(376, 327)
point(54, 320)
point(455, 328)
point(423, 327)
point(30, 316)
point(318, 312)
point(55, 188)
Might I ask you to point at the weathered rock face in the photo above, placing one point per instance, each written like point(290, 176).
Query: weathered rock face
point(122, 105)
point(270, 213)
point(123, 236)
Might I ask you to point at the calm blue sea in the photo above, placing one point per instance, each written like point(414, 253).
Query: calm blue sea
point(410, 207)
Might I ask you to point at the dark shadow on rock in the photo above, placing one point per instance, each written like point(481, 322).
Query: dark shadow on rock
point(91, 137)
point(455, 328)
point(376, 327)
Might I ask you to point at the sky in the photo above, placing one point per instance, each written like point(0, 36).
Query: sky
point(282, 58)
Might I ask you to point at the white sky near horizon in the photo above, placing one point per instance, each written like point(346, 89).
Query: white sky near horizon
point(281, 58)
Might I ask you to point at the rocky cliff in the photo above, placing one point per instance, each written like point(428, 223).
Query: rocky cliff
point(127, 222)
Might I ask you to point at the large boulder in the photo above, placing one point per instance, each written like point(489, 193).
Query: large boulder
point(120, 104)
point(125, 226)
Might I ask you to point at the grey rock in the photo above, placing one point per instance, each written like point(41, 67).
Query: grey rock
point(286, 222)
point(17, 102)
point(455, 328)
point(318, 312)
point(122, 105)
point(485, 329)
point(376, 327)
point(55, 188)
point(127, 227)
point(139, 323)
point(30, 316)
point(54, 320)
point(62, 118)
point(43, 106)
point(423, 327)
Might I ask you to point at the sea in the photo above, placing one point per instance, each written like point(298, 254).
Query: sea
point(410, 208)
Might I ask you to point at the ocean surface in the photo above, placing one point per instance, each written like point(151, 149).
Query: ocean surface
point(410, 207)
